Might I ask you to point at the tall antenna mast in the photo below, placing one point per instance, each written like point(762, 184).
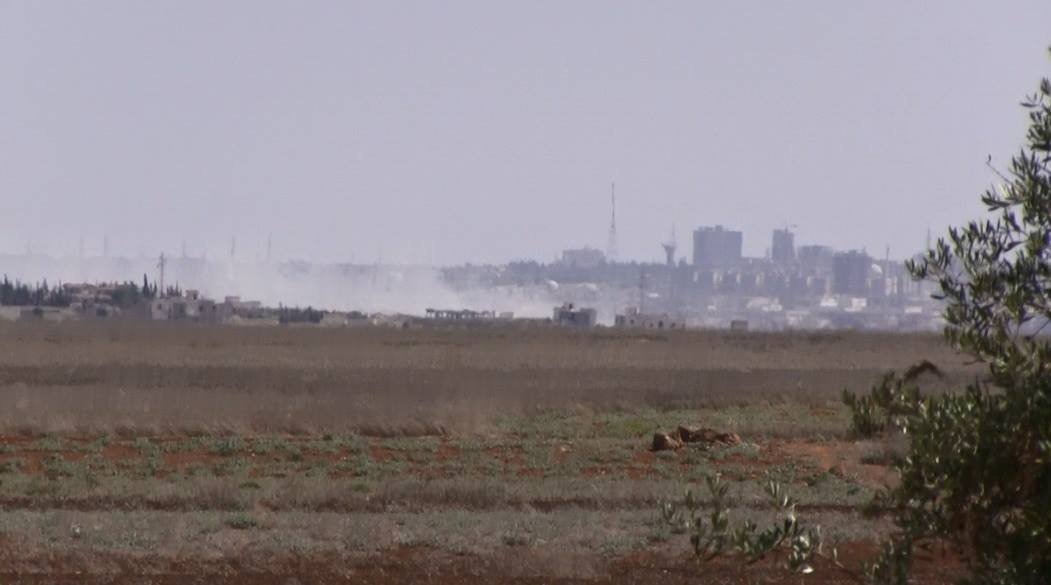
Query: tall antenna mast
point(160, 267)
point(105, 246)
point(611, 244)
point(269, 247)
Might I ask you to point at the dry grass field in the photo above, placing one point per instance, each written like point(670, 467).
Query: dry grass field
point(146, 453)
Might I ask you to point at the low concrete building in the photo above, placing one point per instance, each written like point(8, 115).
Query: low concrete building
point(162, 309)
point(570, 316)
point(459, 314)
point(194, 307)
point(633, 319)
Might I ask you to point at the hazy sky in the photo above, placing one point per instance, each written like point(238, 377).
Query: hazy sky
point(487, 131)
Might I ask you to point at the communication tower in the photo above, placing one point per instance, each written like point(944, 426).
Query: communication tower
point(160, 267)
point(611, 244)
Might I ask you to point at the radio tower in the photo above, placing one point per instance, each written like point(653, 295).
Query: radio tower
point(160, 266)
point(611, 245)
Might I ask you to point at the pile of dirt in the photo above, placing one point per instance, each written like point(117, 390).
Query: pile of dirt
point(684, 435)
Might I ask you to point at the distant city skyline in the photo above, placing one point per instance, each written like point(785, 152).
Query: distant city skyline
point(444, 133)
point(684, 251)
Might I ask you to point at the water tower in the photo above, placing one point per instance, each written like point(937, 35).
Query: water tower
point(669, 248)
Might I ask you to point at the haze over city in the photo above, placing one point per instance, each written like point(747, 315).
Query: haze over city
point(443, 133)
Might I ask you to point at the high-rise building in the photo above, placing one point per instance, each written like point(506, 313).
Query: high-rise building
point(716, 247)
point(816, 260)
point(850, 273)
point(783, 248)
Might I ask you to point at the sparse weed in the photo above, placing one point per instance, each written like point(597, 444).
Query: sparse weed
point(55, 467)
point(50, 443)
point(516, 535)
point(227, 447)
point(11, 466)
point(241, 521)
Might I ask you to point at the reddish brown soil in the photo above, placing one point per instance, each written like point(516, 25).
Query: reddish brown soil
point(381, 453)
point(184, 459)
point(446, 452)
point(838, 457)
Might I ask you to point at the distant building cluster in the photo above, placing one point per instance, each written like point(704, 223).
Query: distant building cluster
point(129, 301)
point(805, 287)
point(792, 286)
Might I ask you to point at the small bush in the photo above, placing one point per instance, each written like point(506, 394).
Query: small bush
point(55, 467)
point(712, 534)
point(515, 536)
point(889, 404)
point(978, 472)
point(227, 447)
point(242, 521)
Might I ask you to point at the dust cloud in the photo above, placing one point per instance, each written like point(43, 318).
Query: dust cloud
point(407, 289)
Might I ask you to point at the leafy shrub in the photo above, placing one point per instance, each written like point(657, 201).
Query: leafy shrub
point(889, 404)
point(978, 471)
point(712, 534)
point(977, 475)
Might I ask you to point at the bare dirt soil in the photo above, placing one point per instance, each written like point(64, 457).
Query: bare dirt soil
point(415, 565)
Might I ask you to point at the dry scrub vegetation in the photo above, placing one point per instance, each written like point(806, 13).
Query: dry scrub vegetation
point(143, 452)
point(151, 378)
